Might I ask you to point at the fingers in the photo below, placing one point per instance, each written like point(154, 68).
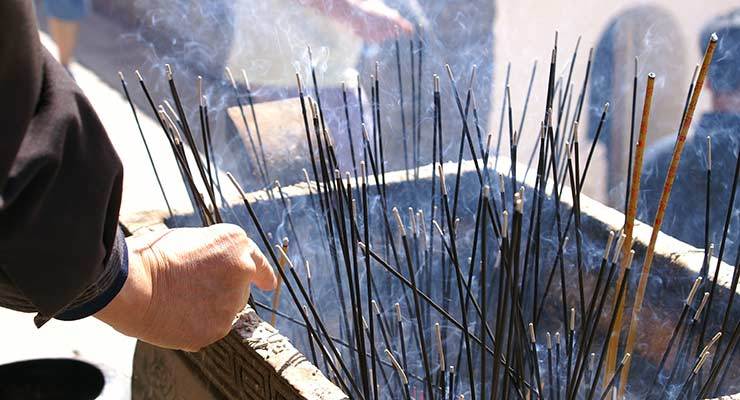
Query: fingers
point(264, 277)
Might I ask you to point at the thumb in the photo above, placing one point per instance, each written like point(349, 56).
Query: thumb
point(263, 277)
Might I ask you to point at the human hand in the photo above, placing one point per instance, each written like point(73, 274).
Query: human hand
point(374, 21)
point(185, 286)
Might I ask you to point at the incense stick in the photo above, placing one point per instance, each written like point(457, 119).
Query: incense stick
point(294, 296)
point(279, 286)
point(627, 193)
point(663, 203)
point(631, 214)
point(146, 145)
point(401, 103)
point(417, 304)
point(262, 172)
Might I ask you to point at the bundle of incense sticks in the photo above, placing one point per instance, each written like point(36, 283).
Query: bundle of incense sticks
point(448, 301)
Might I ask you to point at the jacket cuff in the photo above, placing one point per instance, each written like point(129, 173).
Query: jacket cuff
point(99, 294)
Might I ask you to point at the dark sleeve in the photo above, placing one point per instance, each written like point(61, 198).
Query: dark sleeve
point(61, 252)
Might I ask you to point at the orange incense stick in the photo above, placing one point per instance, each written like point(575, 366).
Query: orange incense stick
point(629, 223)
point(671, 176)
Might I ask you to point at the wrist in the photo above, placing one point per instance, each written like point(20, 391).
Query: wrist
point(131, 304)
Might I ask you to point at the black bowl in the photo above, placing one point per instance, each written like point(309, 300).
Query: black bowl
point(50, 379)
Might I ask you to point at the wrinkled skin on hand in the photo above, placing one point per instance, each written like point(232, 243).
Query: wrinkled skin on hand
point(186, 285)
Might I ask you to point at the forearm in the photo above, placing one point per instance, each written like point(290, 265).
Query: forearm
point(59, 199)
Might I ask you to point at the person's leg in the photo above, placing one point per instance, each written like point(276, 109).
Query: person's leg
point(64, 17)
point(64, 34)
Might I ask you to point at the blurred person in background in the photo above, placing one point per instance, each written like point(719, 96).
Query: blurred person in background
point(454, 32)
point(684, 218)
point(652, 33)
point(269, 39)
point(277, 35)
point(64, 23)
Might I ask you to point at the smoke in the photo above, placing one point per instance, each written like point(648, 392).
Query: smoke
point(204, 38)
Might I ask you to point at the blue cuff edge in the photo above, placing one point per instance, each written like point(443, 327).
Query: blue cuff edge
point(105, 297)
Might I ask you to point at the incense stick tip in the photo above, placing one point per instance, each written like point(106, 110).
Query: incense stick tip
point(692, 292)
point(230, 76)
point(637, 60)
point(709, 153)
point(299, 81)
point(609, 242)
point(631, 255)
point(442, 184)
point(699, 309)
point(505, 224)
point(399, 222)
point(246, 80)
point(572, 319)
point(700, 363)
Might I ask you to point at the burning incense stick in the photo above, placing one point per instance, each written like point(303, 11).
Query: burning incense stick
point(631, 213)
point(671, 176)
point(613, 380)
point(401, 374)
point(279, 286)
point(720, 255)
point(146, 145)
point(428, 281)
point(291, 291)
point(417, 304)
point(674, 334)
point(260, 166)
point(250, 100)
point(401, 103)
point(627, 194)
